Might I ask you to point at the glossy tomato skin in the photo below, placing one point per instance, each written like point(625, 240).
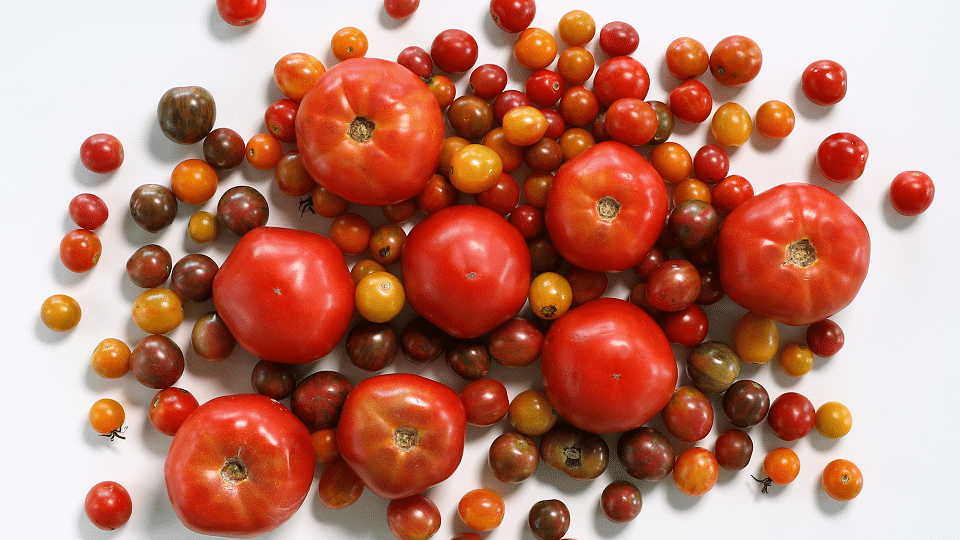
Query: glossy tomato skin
point(286, 295)
point(370, 131)
point(795, 253)
point(606, 208)
point(401, 433)
point(842, 157)
point(241, 12)
point(239, 466)
point(607, 366)
point(465, 269)
point(824, 82)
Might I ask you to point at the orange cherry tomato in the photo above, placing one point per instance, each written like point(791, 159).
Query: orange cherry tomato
point(842, 479)
point(349, 42)
point(194, 181)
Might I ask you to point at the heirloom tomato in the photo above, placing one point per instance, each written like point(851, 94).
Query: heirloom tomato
point(465, 269)
point(607, 366)
point(606, 208)
point(286, 295)
point(795, 253)
point(239, 466)
point(370, 131)
point(401, 433)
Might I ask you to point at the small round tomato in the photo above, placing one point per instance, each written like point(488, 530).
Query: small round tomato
point(711, 163)
point(745, 403)
point(576, 28)
point(111, 358)
point(421, 341)
point(842, 479)
point(535, 48)
point(673, 286)
point(731, 192)
point(579, 106)
point(101, 153)
point(149, 266)
point(386, 243)
point(575, 65)
point(263, 151)
point(550, 295)
point(351, 233)
point(631, 121)
point(273, 379)
point(502, 197)
point(688, 415)
point(371, 346)
point(691, 101)
point(686, 58)
point(443, 89)
point(318, 399)
point(475, 168)
point(242, 209)
point(481, 509)
point(170, 407)
point(756, 338)
point(672, 161)
point(524, 125)
point(108, 505)
point(833, 420)
point(733, 449)
point(487, 80)
point(158, 310)
point(349, 42)
point(224, 149)
point(468, 358)
point(295, 74)
point(241, 12)
point(379, 297)
point(454, 51)
point(735, 61)
point(824, 82)
point(619, 77)
point(513, 457)
point(414, 517)
point(80, 250)
point(106, 417)
point(186, 114)
point(712, 366)
point(325, 446)
point(338, 486)
point(157, 361)
point(191, 279)
point(791, 416)
point(795, 359)
point(775, 119)
point(687, 327)
point(842, 157)
point(544, 87)
point(621, 501)
point(646, 454)
point(693, 222)
point(211, 339)
point(202, 228)
point(781, 466)
point(417, 60)
point(549, 519)
point(731, 124)
point(515, 343)
point(825, 338)
point(911, 193)
point(88, 211)
point(153, 207)
point(485, 401)
point(470, 116)
point(280, 117)
point(400, 9)
point(531, 413)
point(512, 15)
point(696, 471)
point(618, 38)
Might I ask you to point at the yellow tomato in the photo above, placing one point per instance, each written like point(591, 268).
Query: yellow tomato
point(524, 125)
point(60, 312)
point(833, 420)
point(111, 358)
point(756, 338)
point(158, 310)
point(550, 295)
point(202, 227)
point(731, 124)
point(796, 359)
point(475, 168)
point(379, 296)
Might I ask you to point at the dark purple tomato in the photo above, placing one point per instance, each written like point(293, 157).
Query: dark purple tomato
point(694, 223)
point(468, 358)
point(242, 209)
point(733, 449)
point(621, 501)
point(224, 149)
point(791, 416)
point(549, 519)
point(485, 401)
point(665, 122)
point(186, 114)
point(157, 361)
point(513, 457)
point(711, 290)
point(646, 454)
point(745, 403)
point(515, 343)
point(544, 256)
point(149, 266)
point(192, 277)
point(371, 346)
point(577, 453)
point(273, 379)
point(318, 399)
point(422, 341)
point(688, 415)
point(713, 366)
point(825, 338)
point(211, 339)
point(153, 207)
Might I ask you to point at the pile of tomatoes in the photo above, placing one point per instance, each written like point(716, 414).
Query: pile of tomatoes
point(510, 214)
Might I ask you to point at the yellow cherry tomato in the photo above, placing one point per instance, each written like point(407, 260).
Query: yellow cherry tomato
point(158, 310)
point(796, 359)
point(379, 296)
point(775, 119)
point(524, 125)
point(756, 338)
point(60, 312)
point(202, 227)
point(349, 42)
point(833, 420)
point(550, 295)
point(111, 358)
point(475, 168)
point(731, 124)
point(106, 417)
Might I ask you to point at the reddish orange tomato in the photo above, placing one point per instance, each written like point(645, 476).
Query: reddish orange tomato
point(735, 60)
point(842, 479)
point(296, 73)
point(348, 42)
point(696, 471)
point(481, 509)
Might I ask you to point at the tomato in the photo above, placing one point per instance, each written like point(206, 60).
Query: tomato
point(691, 101)
point(502, 197)
point(711, 163)
point(646, 454)
point(279, 118)
point(415, 517)
point(191, 279)
point(475, 168)
point(468, 358)
point(295, 74)
point(157, 361)
point(696, 471)
point(88, 211)
point(454, 51)
point(338, 486)
point(825, 338)
point(421, 341)
point(605, 208)
point(745, 403)
point(318, 399)
point(535, 48)
point(791, 416)
point(401, 433)
point(795, 359)
point(824, 82)
point(833, 420)
point(531, 413)
point(688, 415)
point(276, 279)
point(687, 327)
point(202, 228)
point(348, 42)
point(733, 449)
point(153, 207)
point(101, 153)
point(619, 77)
point(563, 441)
point(673, 285)
point(170, 408)
point(735, 61)
point(524, 125)
point(575, 65)
point(712, 366)
point(485, 401)
point(106, 417)
point(108, 505)
point(631, 121)
point(619, 38)
point(513, 457)
point(379, 297)
point(224, 149)
point(795, 253)
point(781, 465)
point(356, 139)
point(695, 223)
point(273, 380)
point(621, 501)
point(686, 58)
point(443, 89)
point(481, 509)
point(111, 358)
point(731, 124)
point(416, 59)
point(80, 250)
point(400, 9)
point(186, 114)
point(211, 339)
point(549, 519)
point(775, 119)
point(158, 310)
point(756, 338)
point(550, 295)
point(626, 371)
point(239, 466)
point(465, 269)
point(731, 192)
point(842, 479)
point(241, 12)
point(515, 343)
point(512, 15)
point(911, 193)
point(576, 28)
point(842, 157)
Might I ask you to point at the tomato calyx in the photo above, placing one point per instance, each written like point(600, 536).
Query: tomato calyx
point(115, 434)
point(361, 129)
point(406, 438)
point(765, 482)
point(801, 253)
point(608, 208)
point(234, 471)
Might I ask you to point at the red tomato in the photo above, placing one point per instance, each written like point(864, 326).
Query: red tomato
point(370, 131)
point(911, 192)
point(286, 295)
point(454, 51)
point(513, 15)
point(735, 61)
point(101, 153)
point(466, 270)
point(606, 208)
point(241, 12)
point(239, 466)
point(401, 433)
point(607, 366)
point(842, 157)
point(795, 253)
point(618, 77)
point(170, 407)
point(88, 211)
point(791, 416)
point(824, 82)
point(108, 505)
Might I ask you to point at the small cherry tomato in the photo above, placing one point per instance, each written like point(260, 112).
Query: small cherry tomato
point(825, 338)
point(549, 519)
point(795, 359)
point(295, 74)
point(735, 61)
point(158, 310)
point(108, 505)
point(833, 420)
point(106, 417)
point(454, 51)
point(475, 168)
point(481, 509)
point(224, 149)
point(756, 338)
point(824, 82)
point(485, 401)
point(80, 250)
point(417, 60)
point(911, 193)
point(263, 151)
point(202, 227)
point(400, 9)
point(531, 413)
point(535, 48)
point(349, 42)
point(731, 124)
point(111, 358)
point(280, 117)
point(550, 295)
point(842, 479)
point(775, 119)
point(618, 38)
point(791, 416)
point(170, 407)
point(733, 449)
point(576, 28)
point(621, 501)
point(686, 58)
point(696, 471)
point(194, 181)
point(513, 15)
point(781, 466)
point(842, 157)
point(241, 12)
point(88, 211)
point(414, 517)
point(379, 297)
point(101, 153)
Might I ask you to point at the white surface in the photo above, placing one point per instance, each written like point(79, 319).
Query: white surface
point(79, 68)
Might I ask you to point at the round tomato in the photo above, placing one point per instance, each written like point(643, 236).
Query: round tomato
point(241, 12)
point(370, 131)
point(842, 157)
point(606, 208)
point(401, 433)
point(286, 295)
point(911, 192)
point(735, 61)
point(607, 366)
point(795, 253)
point(465, 269)
point(824, 82)
point(239, 466)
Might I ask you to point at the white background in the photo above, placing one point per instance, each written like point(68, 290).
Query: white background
point(78, 68)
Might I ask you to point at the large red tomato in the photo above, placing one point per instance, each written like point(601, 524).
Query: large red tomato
point(466, 270)
point(607, 366)
point(795, 253)
point(606, 208)
point(370, 131)
point(401, 433)
point(286, 295)
point(239, 466)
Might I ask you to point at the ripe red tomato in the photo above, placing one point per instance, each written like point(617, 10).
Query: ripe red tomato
point(466, 270)
point(911, 193)
point(239, 466)
point(88, 211)
point(842, 157)
point(454, 51)
point(735, 61)
point(513, 15)
point(824, 82)
point(101, 153)
point(791, 416)
point(108, 505)
point(619, 77)
point(286, 295)
point(241, 12)
point(358, 142)
point(606, 208)
point(401, 433)
point(795, 253)
point(607, 366)
point(170, 407)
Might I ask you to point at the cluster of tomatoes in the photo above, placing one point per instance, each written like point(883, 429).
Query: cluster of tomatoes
point(604, 191)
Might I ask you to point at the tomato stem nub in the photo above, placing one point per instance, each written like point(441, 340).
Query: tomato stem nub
point(405, 438)
point(608, 208)
point(801, 253)
point(234, 470)
point(361, 129)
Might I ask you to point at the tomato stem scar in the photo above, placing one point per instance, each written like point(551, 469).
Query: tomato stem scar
point(608, 208)
point(801, 253)
point(405, 438)
point(361, 129)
